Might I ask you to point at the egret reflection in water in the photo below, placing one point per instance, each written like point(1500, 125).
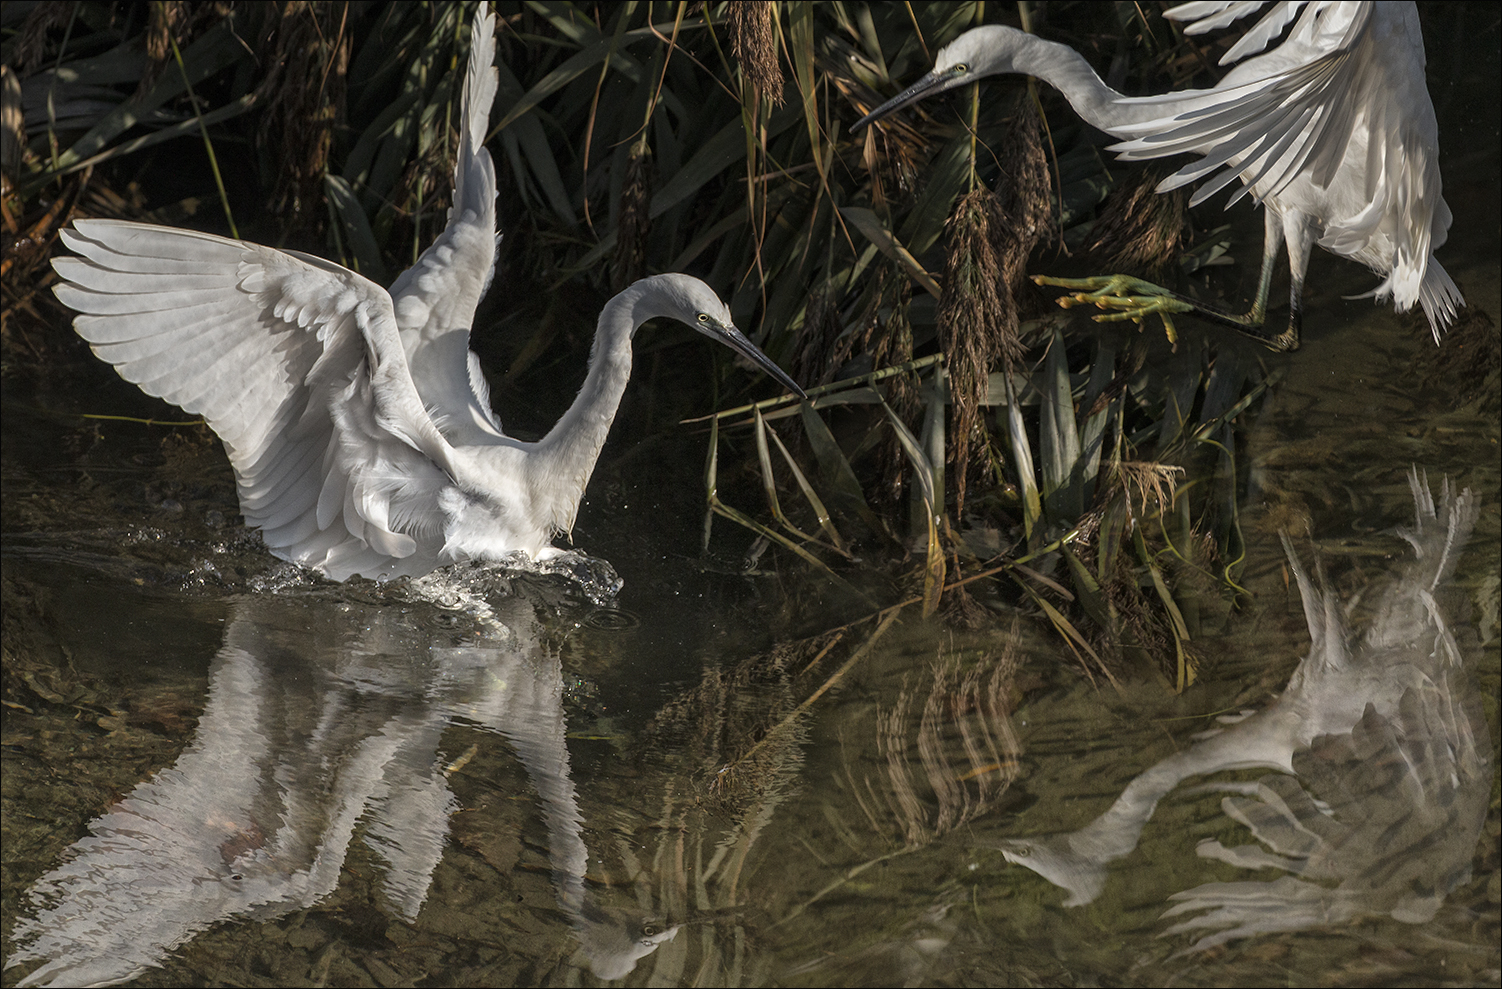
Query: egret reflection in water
point(1332, 132)
point(1386, 761)
point(322, 728)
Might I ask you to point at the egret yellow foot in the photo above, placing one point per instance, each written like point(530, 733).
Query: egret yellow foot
point(1133, 299)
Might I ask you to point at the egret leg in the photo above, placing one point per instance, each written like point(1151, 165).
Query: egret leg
point(1299, 237)
point(1136, 299)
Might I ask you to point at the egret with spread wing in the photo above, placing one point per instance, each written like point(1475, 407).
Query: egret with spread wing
point(357, 420)
point(1332, 132)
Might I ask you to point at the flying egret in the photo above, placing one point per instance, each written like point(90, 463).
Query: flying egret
point(357, 420)
point(1332, 131)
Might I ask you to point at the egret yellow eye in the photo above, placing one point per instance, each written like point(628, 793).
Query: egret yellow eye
point(703, 317)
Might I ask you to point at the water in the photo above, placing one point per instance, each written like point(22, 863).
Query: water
point(219, 771)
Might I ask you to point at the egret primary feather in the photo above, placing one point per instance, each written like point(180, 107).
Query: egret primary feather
point(357, 419)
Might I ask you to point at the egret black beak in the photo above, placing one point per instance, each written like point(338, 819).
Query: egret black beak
point(934, 82)
point(736, 341)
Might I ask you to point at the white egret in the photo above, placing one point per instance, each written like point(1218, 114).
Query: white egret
point(1332, 131)
point(357, 420)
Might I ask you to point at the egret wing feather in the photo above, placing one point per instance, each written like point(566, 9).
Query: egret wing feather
point(1212, 15)
point(1341, 96)
point(435, 299)
point(1322, 67)
point(296, 364)
point(1261, 34)
point(1257, 122)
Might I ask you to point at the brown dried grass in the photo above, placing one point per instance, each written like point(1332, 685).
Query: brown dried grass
point(990, 236)
point(753, 42)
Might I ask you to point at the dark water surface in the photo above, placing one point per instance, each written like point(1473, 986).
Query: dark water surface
point(219, 772)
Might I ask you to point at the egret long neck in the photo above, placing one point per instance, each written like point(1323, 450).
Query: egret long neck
point(1066, 70)
point(564, 459)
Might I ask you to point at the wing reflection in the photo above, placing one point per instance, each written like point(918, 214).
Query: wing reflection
point(1385, 734)
point(322, 727)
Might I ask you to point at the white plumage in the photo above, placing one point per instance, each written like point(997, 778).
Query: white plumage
point(1332, 131)
point(357, 420)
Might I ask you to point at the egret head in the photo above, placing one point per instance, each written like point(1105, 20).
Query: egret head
point(612, 947)
point(684, 298)
point(1054, 859)
point(981, 51)
point(693, 303)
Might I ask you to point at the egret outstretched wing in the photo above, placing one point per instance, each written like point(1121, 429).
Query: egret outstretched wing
point(1277, 117)
point(295, 363)
point(436, 298)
